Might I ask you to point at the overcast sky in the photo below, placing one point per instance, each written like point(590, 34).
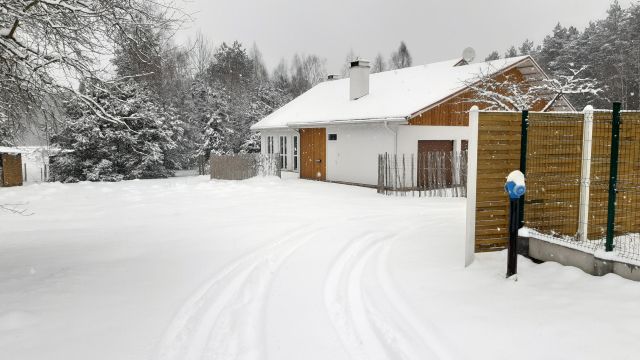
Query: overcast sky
point(433, 30)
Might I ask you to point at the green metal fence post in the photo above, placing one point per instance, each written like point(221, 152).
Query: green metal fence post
point(613, 175)
point(523, 161)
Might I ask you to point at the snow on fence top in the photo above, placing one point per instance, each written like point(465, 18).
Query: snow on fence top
point(394, 95)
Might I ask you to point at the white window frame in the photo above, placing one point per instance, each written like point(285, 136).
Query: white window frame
point(283, 151)
point(270, 145)
point(296, 156)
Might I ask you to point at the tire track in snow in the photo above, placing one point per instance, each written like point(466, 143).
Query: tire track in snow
point(224, 318)
point(374, 324)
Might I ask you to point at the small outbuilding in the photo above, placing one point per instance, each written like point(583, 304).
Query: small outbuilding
point(10, 167)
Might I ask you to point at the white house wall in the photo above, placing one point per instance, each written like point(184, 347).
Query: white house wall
point(353, 157)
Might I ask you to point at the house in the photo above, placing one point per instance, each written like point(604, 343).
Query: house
point(10, 167)
point(336, 130)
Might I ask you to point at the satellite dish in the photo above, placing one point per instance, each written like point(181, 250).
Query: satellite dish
point(468, 55)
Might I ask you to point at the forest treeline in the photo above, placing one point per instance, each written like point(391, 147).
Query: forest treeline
point(608, 49)
point(164, 107)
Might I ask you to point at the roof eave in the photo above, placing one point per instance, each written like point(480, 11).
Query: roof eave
point(394, 119)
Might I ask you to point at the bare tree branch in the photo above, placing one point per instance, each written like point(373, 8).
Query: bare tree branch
point(509, 92)
point(48, 46)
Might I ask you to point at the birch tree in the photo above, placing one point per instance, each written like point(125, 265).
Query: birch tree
point(401, 58)
point(378, 65)
point(306, 72)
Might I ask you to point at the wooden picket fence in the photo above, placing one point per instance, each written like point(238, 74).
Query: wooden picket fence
point(244, 166)
point(434, 174)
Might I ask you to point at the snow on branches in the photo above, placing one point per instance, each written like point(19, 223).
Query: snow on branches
point(571, 84)
point(511, 91)
point(47, 46)
point(142, 145)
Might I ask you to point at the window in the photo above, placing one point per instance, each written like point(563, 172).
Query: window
point(295, 152)
point(270, 145)
point(283, 151)
point(333, 137)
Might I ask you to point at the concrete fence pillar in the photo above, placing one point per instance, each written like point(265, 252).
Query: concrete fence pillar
point(472, 173)
point(585, 174)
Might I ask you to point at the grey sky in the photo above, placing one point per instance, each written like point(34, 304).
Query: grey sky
point(433, 30)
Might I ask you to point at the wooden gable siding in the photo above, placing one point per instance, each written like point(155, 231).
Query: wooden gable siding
point(455, 111)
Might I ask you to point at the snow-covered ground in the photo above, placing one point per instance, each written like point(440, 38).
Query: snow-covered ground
point(188, 268)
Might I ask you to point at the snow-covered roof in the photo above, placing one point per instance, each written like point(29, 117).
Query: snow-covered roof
point(9, 150)
point(393, 95)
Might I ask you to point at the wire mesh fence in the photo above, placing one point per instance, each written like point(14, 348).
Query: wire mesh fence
point(627, 217)
point(244, 166)
point(582, 187)
point(432, 174)
point(553, 171)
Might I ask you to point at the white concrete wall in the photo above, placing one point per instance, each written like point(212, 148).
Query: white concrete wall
point(354, 156)
point(289, 133)
point(472, 176)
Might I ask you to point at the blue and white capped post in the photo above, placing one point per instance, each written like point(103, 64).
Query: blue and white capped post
point(515, 187)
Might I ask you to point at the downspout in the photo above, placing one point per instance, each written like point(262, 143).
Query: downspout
point(395, 136)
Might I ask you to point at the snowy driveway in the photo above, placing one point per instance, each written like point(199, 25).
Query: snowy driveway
point(187, 268)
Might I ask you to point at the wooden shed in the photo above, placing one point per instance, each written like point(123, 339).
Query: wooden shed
point(10, 167)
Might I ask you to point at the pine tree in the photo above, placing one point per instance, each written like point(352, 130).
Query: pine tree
point(136, 147)
point(527, 47)
point(512, 52)
point(208, 113)
point(232, 68)
point(494, 55)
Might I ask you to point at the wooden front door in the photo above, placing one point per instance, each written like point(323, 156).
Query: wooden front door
point(313, 153)
point(434, 163)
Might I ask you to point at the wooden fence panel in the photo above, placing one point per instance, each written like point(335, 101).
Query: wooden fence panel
point(244, 166)
point(554, 160)
point(627, 207)
point(498, 154)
